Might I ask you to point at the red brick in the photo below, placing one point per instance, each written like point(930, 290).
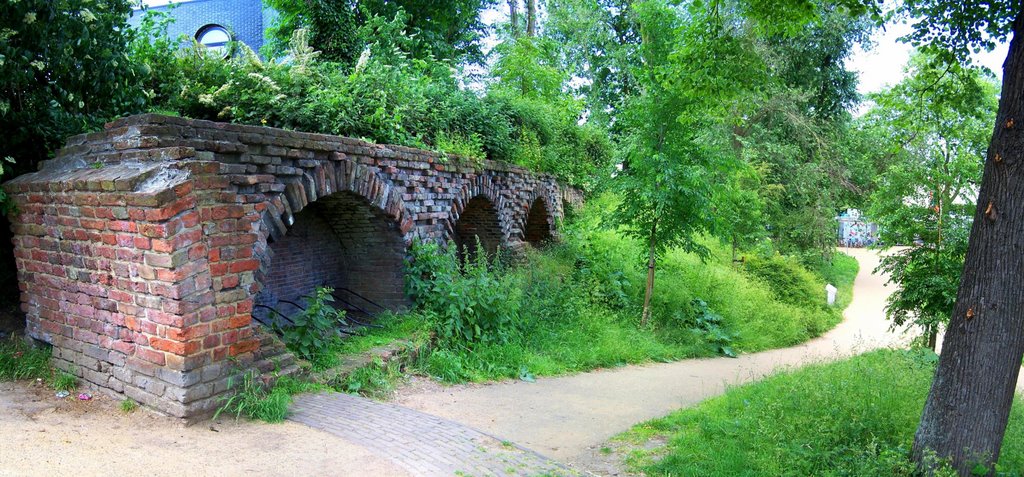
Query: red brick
point(151, 356)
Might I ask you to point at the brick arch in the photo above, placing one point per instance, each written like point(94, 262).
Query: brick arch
point(540, 222)
point(146, 268)
point(342, 241)
point(476, 212)
point(478, 221)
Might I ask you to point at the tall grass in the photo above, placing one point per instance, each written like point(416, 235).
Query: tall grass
point(20, 361)
point(578, 307)
point(854, 417)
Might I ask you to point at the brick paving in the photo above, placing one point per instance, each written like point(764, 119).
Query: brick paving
point(421, 443)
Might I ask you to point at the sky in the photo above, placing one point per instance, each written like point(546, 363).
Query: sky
point(883, 64)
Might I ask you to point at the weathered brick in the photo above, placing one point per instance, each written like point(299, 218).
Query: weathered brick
point(142, 271)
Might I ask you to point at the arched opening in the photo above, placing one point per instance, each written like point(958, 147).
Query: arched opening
point(538, 223)
point(478, 221)
point(340, 241)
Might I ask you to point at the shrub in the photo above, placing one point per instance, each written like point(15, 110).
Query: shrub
point(788, 279)
point(471, 305)
point(314, 331)
point(388, 95)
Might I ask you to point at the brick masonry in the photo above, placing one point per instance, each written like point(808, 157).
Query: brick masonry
point(142, 248)
point(423, 444)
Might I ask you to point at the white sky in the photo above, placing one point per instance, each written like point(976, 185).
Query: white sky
point(883, 64)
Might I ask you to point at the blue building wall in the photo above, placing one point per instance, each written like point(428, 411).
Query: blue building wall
point(246, 19)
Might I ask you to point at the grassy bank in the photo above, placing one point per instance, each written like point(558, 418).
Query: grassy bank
point(855, 417)
point(575, 306)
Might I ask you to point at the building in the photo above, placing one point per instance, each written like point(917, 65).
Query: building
point(855, 230)
point(214, 22)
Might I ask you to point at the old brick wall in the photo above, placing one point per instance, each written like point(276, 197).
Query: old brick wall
point(142, 247)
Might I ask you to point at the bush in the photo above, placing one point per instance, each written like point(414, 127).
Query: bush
point(387, 96)
point(314, 331)
point(470, 305)
point(788, 280)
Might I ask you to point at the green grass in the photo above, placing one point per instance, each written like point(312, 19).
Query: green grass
point(253, 399)
point(579, 308)
point(20, 361)
point(377, 380)
point(63, 381)
point(854, 417)
point(129, 406)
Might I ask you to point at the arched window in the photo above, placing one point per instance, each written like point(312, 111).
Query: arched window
point(215, 38)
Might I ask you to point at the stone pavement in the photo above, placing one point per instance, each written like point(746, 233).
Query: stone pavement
point(421, 443)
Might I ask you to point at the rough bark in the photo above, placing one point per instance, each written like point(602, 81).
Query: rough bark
point(969, 402)
point(651, 261)
point(531, 18)
point(513, 13)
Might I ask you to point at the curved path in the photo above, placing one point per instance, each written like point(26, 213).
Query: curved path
point(562, 417)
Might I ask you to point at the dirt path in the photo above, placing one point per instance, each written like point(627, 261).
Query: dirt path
point(40, 435)
point(565, 417)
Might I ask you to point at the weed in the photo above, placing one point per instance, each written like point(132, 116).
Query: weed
point(376, 380)
point(63, 381)
point(20, 361)
point(315, 330)
point(129, 406)
point(254, 400)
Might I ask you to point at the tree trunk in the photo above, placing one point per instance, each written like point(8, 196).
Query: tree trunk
point(651, 260)
point(969, 402)
point(513, 15)
point(531, 18)
point(932, 334)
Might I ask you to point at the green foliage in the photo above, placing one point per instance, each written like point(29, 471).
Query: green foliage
point(936, 125)
point(65, 69)
point(577, 307)
point(20, 361)
point(314, 331)
point(469, 305)
point(953, 29)
point(853, 417)
point(63, 381)
point(467, 147)
point(710, 324)
point(389, 95)
point(128, 406)
point(788, 279)
point(376, 380)
point(253, 399)
point(446, 31)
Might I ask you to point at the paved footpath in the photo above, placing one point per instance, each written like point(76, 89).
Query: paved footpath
point(422, 444)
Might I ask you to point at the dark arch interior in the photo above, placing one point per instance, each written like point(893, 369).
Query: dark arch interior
point(339, 241)
point(538, 223)
point(479, 220)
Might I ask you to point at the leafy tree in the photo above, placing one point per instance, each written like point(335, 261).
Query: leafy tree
point(66, 70)
point(672, 167)
point(966, 412)
point(447, 31)
point(937, 124)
